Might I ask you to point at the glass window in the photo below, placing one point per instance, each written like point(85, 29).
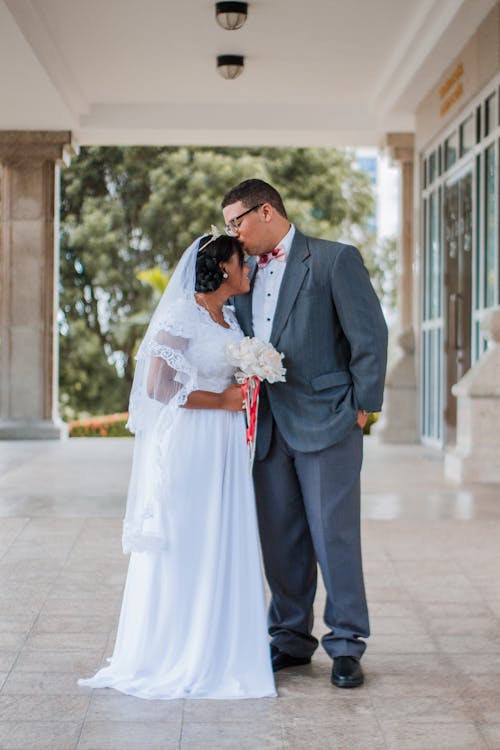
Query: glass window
point(424, 161)
point(434, 265)
point(490, 114)
point(478, 233)
point(440, 161)
point(489, 226)
point(426, 252)
point(432, 167)
point(451, 150)
point(467, 135)
point(478, 124)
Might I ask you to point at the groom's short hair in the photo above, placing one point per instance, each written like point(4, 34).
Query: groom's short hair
point(253, 192)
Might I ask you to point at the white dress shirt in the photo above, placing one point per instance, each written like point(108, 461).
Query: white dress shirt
point(266, 289)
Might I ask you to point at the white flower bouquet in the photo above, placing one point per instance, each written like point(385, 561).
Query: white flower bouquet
point(257, 361)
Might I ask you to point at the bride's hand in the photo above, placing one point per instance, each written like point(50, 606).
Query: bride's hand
point(232, 398)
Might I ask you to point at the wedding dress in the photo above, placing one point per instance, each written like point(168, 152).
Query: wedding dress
point(193, 620)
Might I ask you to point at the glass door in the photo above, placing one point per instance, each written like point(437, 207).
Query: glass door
point(457, 226)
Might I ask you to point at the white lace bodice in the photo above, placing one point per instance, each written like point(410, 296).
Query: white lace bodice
point(207, 349)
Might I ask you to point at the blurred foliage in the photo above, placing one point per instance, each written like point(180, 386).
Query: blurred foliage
point(127, 214)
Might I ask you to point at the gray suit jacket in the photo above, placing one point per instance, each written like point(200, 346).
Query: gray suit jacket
point(330, 327)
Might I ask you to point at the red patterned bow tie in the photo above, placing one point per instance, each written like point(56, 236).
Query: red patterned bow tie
point(279, 253)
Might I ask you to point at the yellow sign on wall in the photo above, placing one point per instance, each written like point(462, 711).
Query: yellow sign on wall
point(451, 90)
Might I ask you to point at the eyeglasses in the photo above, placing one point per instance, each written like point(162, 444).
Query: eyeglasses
point(233, 225)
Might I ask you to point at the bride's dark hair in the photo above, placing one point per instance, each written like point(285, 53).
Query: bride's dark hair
point(208, 271)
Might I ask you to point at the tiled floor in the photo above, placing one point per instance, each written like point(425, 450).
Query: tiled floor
point(432, 563)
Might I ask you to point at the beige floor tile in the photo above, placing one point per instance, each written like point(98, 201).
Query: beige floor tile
point(49, 528)
point(420, 667)
point(453, 610)
point(402, 644)
point(420, 592)
point(38, 735)
point(401, 626)
point(7, 659)
point(440, 706)
point(464, 626)
point(411, 570)
point(411, 735)
point(114, 735)
point(61, 605)
point(491, 733)
point(19, 552)
point(109, 705)
point(338, 705)
point(262, 735)
point(378, 593)
point(73, 624)
point(300, 684)
point(43, 683)
point(408, 685)
point(30, 572)
point(219, 711)
point(336, 735)
point(83, 663)
point(16, 623)
point(475, 664)
point(486, 643)
point(392, 609)
point(65, 641)
point(12, 641)
point(58, 708)
point(14, 606)
point(481, 695)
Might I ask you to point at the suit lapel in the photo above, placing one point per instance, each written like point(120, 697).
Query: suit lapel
point(243, 303)
point(295, 273)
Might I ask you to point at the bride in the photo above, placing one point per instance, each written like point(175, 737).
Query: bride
point(192, 622)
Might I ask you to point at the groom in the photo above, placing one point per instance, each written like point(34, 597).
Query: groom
point(314, 301)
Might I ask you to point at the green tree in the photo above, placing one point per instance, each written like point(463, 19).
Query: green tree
point(129, 210)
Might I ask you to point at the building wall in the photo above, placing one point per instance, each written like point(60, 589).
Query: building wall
point(465, 75)
point(457, 141)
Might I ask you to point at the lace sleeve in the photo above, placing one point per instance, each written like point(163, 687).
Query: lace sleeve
point(170, 376)
point(164, 376)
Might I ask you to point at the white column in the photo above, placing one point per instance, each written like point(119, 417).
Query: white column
point(398, 423)
point(476, 455)
point(29, 273)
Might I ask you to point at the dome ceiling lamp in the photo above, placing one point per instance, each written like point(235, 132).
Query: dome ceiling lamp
point(230, 66)
point(231, 15)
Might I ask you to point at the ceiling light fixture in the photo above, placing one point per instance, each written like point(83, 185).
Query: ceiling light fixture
point(230, 66)
point(231, 15)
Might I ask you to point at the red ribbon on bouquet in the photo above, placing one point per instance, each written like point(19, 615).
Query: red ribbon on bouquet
point(250, 390)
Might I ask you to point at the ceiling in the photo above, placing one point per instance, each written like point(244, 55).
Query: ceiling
point(321, 72)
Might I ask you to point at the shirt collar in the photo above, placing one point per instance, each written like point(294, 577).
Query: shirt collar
point(286, 242)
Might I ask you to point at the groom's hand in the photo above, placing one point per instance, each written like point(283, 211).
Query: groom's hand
point(362, 418)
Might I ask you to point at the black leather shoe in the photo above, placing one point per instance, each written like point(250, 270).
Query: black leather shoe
point(347, 672)
point(280, 660)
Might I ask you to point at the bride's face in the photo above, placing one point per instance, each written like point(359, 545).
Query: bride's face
point(238, 275)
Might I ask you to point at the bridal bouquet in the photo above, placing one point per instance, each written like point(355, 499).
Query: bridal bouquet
point(257, 361)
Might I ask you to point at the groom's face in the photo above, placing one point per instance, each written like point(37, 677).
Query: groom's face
point(253, 228)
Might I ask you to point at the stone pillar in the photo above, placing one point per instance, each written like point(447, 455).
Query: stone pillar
point(28, 283)
point(476, 455)
point(399, 423)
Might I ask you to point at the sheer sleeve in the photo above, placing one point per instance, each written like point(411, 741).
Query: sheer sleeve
point(163, 380)
point(170, 375)
point(164, 375)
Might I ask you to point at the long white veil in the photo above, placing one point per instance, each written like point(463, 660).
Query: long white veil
point(163, 380)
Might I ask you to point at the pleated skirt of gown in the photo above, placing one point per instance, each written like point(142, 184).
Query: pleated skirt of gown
point(193, 619)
